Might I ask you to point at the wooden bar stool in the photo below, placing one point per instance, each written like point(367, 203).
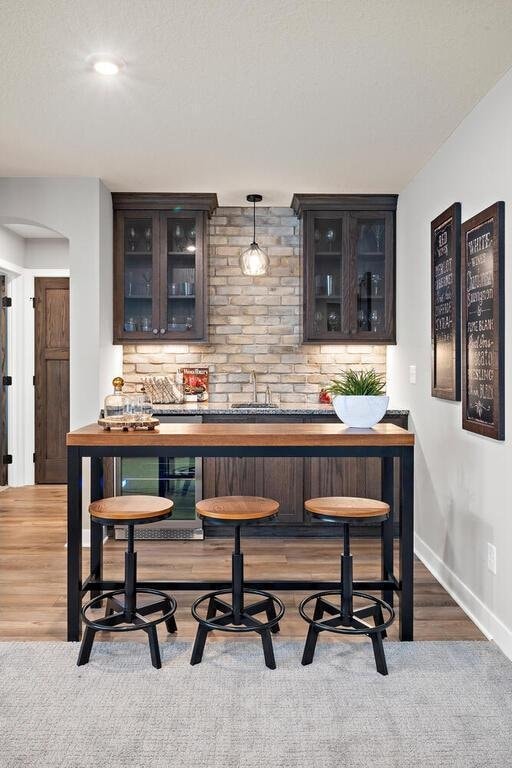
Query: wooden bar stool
point(237, 616)
point(123, 613)
point(343, 619)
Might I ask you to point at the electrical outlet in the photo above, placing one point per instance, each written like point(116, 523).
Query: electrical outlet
point(412, 374)
point(491, 558)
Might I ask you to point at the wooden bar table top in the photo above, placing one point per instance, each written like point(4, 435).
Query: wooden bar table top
point(232, 435)
point(386, 442)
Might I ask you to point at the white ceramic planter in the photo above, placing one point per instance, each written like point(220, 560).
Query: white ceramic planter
point(362, 411)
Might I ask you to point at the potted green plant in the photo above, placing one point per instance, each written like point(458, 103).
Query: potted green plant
point(359, 397)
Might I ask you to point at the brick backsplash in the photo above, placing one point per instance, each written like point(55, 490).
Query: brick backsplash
point(254, 322)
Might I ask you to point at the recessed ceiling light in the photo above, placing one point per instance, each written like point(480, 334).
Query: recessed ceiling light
point(104, 64)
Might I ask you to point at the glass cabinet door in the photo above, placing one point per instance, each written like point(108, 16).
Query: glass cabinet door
point(327, 316)
point(182, 283)
point(138, 266)
point(372, 242)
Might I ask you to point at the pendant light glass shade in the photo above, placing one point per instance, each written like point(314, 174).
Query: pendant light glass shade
point(253, 260)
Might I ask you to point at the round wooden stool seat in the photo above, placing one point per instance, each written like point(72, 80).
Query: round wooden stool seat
point(232, 509)
point(130, 510)
point(348, 509)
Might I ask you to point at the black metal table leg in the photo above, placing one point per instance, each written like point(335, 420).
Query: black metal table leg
point(406, 596)
point(388, 495)
point(74, 553)
point(96, 553)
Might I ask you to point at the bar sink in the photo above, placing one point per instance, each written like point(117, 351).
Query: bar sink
point(252, 405)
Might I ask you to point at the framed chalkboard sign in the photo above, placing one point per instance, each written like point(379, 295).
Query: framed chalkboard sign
point(483, 312)
point(445, 303)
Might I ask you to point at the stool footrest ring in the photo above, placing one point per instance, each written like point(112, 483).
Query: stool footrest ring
point(357, 626)
point(248, 622)
point(104, 624)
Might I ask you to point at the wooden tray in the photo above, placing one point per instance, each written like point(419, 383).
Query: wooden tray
point(128, 425)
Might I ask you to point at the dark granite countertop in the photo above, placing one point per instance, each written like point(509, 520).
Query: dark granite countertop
point(224, 409)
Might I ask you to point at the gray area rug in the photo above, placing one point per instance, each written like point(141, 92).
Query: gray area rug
point(443, 704)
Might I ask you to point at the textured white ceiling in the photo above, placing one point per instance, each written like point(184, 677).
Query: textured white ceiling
point(235, 96)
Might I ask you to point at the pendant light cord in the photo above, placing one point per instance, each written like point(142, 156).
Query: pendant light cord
point(254, 221)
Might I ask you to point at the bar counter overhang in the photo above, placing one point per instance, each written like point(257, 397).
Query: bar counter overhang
point(385, 441)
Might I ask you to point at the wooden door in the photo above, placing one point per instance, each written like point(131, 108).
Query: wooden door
point(3, 390)
point(51, 306)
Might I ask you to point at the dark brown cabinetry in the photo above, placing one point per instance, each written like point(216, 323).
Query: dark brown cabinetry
point(160, 267)
point(292, 480)
point(348, 247)
point(257, 476)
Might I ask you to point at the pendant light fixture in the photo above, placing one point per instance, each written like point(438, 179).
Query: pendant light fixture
point(254, 261)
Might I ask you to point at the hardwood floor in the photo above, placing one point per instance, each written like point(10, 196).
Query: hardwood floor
point(32, 546)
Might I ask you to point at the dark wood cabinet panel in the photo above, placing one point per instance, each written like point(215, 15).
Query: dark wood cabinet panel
point(277, 478)
point(348, 252)
point(229, 477)
point(292, 480)
point(160, 267)
point(347, 477)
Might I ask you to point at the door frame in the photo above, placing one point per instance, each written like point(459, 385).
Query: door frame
point(21, 407)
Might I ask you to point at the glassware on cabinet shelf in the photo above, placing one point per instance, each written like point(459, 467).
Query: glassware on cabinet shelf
point(179, 238)
point(378, 230)
point(189, 323)
point(374, 320)
point(145, 324)
point(333, 321)
point(116, 405)
point(191, 240)
point(330, 236)
point(147, 284)
point(130, 325)
point(361, 318)
point(147, 236)
point(132, 236)
point(376, 280)
point(317, 236)
point(129, 283)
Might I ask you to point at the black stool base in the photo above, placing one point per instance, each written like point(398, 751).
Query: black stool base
point(119, 619)
point(352, 624)
point(229, 620)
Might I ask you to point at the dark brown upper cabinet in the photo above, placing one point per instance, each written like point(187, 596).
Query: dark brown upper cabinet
point(348, 250)
point(161, 267)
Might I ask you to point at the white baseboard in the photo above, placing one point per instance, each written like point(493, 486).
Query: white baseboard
point(492, 627)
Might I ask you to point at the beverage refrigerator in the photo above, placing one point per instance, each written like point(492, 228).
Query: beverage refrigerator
point(176, 478)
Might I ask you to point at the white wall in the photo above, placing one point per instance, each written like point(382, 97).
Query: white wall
point(46, 253)
point(81, 211)
point(12, 251)
point(78, 209)
point(463, 489)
